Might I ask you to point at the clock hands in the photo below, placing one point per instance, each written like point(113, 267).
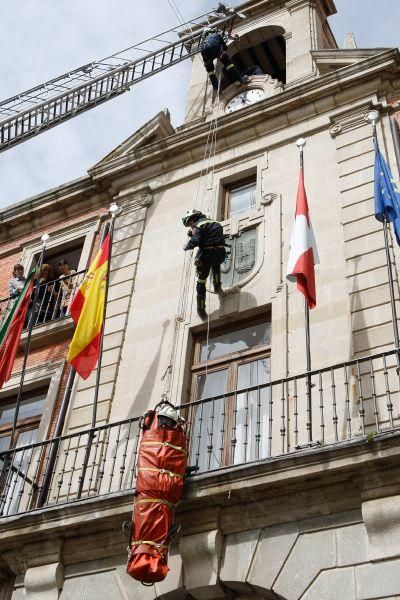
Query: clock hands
point(244, 99)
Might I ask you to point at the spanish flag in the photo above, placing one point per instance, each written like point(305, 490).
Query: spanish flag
point(87, 309)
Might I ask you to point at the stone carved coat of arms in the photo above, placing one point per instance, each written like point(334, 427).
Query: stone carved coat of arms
point(241, 258)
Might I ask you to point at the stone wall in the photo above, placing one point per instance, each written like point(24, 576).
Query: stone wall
point(321, 525)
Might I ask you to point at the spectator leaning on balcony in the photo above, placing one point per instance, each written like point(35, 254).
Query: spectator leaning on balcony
point(17, 282)
point(45, 306)
point(67, 285)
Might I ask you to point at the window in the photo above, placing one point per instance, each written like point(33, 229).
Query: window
point(57, 288)
point(262, 50)
point(30, 412)
point(239, 198)
point(231, 429)
point(69, 252)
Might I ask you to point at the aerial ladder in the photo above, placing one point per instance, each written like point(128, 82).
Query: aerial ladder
point(36, 110)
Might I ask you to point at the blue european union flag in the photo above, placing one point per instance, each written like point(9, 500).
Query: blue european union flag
point(387, 194)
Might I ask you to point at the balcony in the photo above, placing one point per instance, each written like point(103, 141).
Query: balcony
point(53, 301)
point(352, 403)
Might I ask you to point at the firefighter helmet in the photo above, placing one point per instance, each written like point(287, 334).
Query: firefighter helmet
point(167, 410)
point(167, 417)
point(209, 30)
point(191, 214)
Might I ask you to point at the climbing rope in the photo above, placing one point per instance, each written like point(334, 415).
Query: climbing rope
point(207, 173)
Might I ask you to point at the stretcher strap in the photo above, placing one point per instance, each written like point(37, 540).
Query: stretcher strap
point(149, 543)
point(162, 471)
point(165, 444)
point(158, 500)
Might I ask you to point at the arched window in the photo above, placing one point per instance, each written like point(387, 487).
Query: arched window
point(261, 51)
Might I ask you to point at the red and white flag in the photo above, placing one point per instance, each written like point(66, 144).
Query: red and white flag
point(303, 253)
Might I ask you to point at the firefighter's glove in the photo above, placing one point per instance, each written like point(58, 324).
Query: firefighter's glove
point(190, 232)
point(186, 247)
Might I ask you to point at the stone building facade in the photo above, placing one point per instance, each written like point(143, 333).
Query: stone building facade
point(285, 505)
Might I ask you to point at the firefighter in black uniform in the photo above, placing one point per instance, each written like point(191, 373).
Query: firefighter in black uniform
point(212, 46)
point(208, 236)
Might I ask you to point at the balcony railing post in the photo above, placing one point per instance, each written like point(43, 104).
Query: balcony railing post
point(308, 380)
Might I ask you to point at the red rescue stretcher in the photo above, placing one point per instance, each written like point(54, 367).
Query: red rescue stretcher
point(161, 465)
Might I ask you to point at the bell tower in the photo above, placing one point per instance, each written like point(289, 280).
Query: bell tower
point(277, 37)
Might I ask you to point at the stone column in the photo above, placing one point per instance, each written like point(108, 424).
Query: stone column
point(44, 582)
point(299, 62)
point(363, 236)
point(38, 568)
point(201, 555)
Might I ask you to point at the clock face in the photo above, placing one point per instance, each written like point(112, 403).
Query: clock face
point(244, 99)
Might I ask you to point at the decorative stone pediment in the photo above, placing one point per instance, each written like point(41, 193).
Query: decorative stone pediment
point(155, 130)
point(333, 59)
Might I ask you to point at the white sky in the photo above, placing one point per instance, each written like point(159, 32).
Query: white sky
point(41, 39)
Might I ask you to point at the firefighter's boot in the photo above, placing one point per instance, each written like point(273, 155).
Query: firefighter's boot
point(201, 307)
point(233, 74)
point(213, 81)
point(217, 282)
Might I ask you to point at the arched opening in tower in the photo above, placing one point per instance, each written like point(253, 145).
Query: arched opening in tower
point(261, 51)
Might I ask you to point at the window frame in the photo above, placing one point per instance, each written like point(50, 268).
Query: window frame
point(231, 363)
point(26, 424)
point(87, 230)
point(23, 425)
point(227, 190)
point(196, 364)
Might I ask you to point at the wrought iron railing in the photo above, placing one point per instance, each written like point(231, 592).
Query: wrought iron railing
point(356, 399)
point(53, 300)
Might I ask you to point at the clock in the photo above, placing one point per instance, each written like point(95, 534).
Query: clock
point(244, 99)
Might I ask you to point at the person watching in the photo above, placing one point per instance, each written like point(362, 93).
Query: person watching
point(67, 284)
point(17, 282)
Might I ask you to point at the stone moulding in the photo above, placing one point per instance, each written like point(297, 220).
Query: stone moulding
point(135, 198)
point(171, 150)
point(353, 119)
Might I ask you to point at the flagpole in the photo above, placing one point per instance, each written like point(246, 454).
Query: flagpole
point(44, 239)
point(114, 210)
point(60, 421)
point(373, 117)
point(300, 144)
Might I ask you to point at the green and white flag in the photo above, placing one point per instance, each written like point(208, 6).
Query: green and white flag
point(10, 332)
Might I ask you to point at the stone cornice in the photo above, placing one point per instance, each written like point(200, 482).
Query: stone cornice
point(188, 144)
point(259, 7)
point(51, 208)
point(262, 492)
point(253, 8)
point(326, 7)
point(72, 188)
point(293, 5)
